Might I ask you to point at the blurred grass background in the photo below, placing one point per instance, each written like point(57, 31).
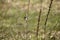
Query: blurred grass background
point(12, 23)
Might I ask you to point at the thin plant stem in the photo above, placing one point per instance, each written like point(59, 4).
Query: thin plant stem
point(50, 6)
point(26, 20)
point(39, 17)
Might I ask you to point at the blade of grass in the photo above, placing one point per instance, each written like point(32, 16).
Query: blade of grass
point(39, 17)
point(50, 6)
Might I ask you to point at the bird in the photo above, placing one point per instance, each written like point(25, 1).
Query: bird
point(25, 18)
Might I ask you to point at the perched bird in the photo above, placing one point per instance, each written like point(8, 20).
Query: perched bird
point(25, 18)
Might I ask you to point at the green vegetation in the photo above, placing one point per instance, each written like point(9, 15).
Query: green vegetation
point(13, 24)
